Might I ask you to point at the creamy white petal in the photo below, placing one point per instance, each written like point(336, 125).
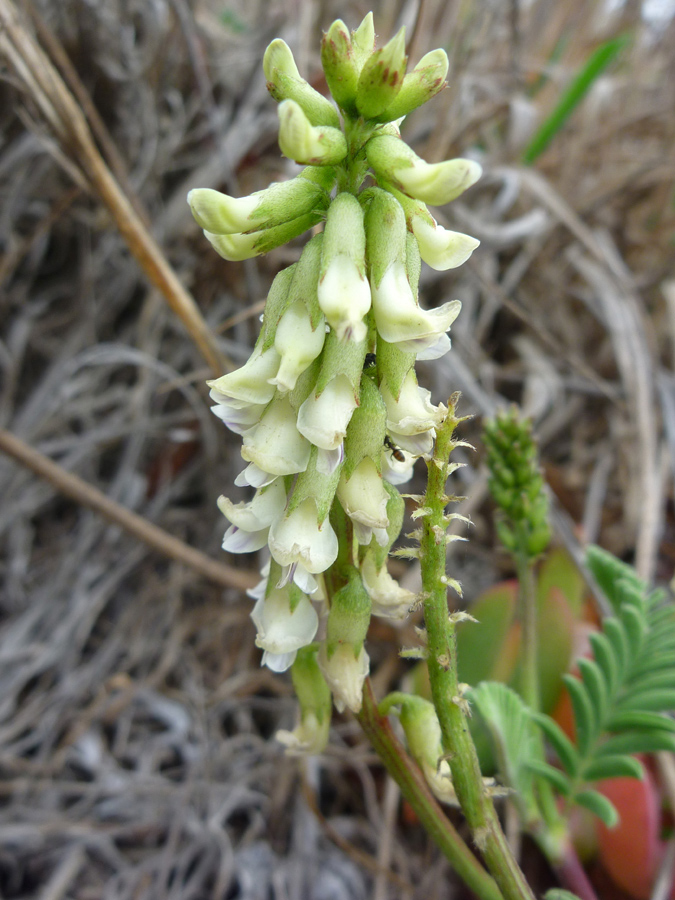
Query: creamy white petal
point(323, 420)
point(297, 538)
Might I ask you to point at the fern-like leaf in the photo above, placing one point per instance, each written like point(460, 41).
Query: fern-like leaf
point(622, 699)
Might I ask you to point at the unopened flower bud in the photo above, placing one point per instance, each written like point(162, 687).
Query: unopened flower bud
point(433, 183)
point(344, 293)
point(315, 145)
point(363, 40)
point(420, 85)
point(382, 77)
point(310, 736)
point(236, 247)
point(219, 213)
point(297, 343)
point(284, 82)
point(349, 616)
point(340, 66)
point(345, 674)
point(423, 736)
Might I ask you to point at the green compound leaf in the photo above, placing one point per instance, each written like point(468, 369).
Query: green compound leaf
point(584, 718)
point(603, 808)
point(514, 738)
point(638, 742)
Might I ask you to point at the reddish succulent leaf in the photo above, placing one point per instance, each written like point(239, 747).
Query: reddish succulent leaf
point(556, 639)
point(480, 647)
point(631, 852)
point(558, 571)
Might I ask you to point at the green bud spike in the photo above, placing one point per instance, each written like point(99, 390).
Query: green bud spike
point(340, 66)
point(284, 82)
point(381, 78)
point(315, 145)
point(516, 485)
point(349, 616)
point(420, 85)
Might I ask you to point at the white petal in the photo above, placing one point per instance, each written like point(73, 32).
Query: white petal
point(297, 538)
point(254, 476)
point(442, 249)
point(275, 444)
point(280, 630)
point(323, 420)
point(250, 382)
point(345, 675)
point(236, 540)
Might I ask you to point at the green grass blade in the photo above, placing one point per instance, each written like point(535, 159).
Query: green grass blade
point(573, 95)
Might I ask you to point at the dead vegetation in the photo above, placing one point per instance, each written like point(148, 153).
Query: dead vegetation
point(135, 724)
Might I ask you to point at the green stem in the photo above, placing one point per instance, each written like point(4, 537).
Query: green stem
point(551, 833)
point(527, 616)
point(416, 791)
point(476, 803)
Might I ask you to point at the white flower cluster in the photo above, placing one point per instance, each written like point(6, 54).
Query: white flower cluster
point(328, 406)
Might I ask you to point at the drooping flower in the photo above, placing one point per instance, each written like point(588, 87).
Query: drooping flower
point(275, 445)
point(297, 541)
point(286, 621)
point(251, 521)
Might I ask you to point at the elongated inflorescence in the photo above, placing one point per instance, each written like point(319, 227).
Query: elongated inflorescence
point(328, 406)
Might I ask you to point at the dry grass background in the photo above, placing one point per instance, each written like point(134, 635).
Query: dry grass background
point(135, 724)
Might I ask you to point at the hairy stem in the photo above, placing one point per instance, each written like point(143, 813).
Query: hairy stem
point(476, 803)
point(416, 791)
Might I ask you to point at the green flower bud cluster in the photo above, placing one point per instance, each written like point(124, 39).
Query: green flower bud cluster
point(516, 484)
point(328, 406)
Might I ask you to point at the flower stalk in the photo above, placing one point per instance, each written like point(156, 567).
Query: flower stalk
point(475, 800)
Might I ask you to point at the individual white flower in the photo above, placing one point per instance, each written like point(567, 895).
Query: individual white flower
point(389, 599)
point(397, 471)
point(251, 381)
point(413, 411)
point(412, 418)
point(345, 674)
point(344, 298)
point(400, 320)
point(308, 738)
point(440, 248)
point(323, 420)
point(297, 539)
point(314, 145)
point(282, 632)
point(251, 521)
point(275, 445)
point(438, 183)
point(297, 343)
point(364, 498)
